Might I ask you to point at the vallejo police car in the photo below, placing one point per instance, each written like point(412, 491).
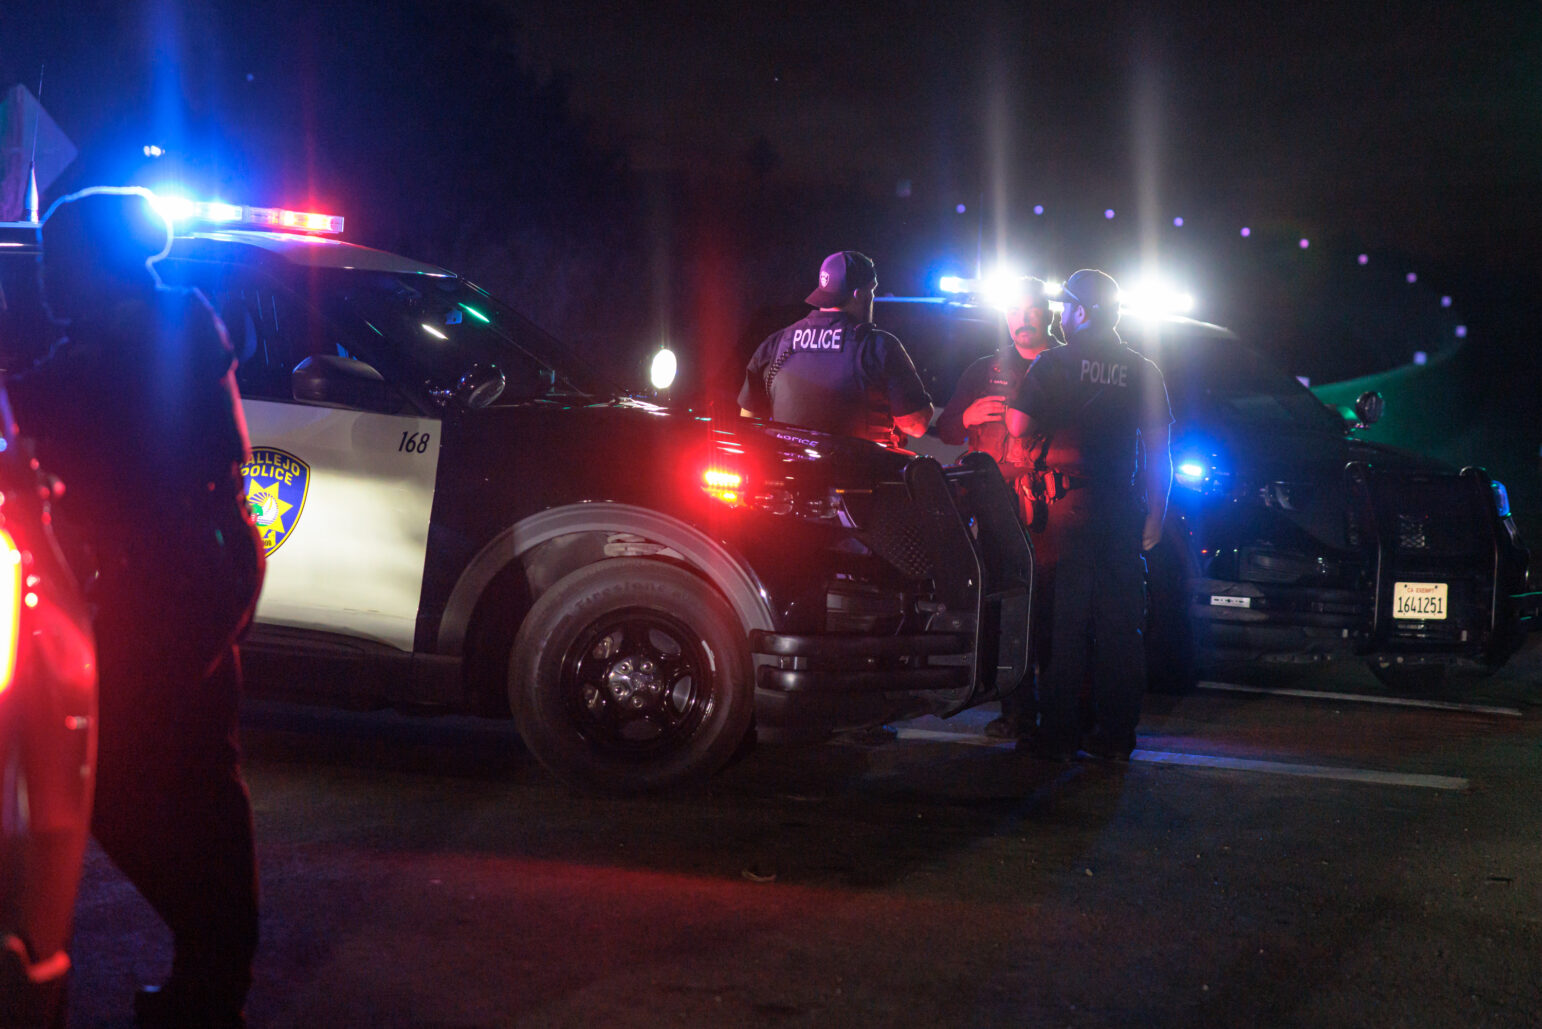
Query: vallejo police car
point(460, 514)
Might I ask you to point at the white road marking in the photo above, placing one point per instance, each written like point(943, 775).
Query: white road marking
point(1162, 757)
point(1363, 698)
point(1429, 782)
point(972, 739)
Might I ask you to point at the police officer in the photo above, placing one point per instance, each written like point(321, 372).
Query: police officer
point(1100, 404)
point(976, 414)
point(835, 371)
point(137, 412)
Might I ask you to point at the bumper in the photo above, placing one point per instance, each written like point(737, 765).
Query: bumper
point(972, 616)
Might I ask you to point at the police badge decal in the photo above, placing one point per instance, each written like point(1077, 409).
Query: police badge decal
point(276, 484)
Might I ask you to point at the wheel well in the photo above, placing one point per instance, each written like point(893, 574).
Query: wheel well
point(507, 599)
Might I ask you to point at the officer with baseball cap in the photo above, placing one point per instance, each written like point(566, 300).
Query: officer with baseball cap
point(1100, 405)
point(834, 370)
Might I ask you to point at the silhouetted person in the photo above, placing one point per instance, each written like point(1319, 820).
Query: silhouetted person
point(136, 410)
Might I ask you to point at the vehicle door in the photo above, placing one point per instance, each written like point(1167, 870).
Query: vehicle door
point(341, 490)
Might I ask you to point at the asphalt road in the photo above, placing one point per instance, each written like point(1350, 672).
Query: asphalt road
point(1267, 859)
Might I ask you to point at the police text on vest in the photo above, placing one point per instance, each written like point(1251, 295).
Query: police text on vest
point(1105, 374)
point(817, 339)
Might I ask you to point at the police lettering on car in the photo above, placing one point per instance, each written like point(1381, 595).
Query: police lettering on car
point(834, 370)
point(1097, 404)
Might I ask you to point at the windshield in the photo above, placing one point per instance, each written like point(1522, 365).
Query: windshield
point(1225, 378)
point(439, 326)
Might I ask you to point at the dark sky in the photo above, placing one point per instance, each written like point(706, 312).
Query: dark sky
point(1412, 126)
point(756, 138)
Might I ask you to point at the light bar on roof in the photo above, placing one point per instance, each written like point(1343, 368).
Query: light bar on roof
point(212, 212)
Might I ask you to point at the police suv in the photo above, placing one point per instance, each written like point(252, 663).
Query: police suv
point(459, 514)
point(1287, 538)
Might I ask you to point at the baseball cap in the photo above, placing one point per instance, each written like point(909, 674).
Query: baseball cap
point(840, 275)
point(1092, 289)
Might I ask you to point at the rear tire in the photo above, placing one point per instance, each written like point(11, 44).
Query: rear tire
point(631, 675)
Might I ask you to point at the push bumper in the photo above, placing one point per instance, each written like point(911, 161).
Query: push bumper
point(976, 637)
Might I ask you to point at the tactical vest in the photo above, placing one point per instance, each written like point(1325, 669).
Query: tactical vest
point(877, 424)
point(1015, 456)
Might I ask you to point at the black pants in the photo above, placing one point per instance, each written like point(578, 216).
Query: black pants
point(1097, 620)
point(171, 809)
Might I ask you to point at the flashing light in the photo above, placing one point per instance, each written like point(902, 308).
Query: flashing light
point(1038, 208)
point(151, 150)
point(953, 284)
point(179, 209)
point(663, 369)
point(723, 484)
point(1154, 297)
point(172, 207)
point(1246, 232)
point(960, 209)
point(1178, 222)
point(1109, 214)
point(1002, 289)
point(10, 607)
point(1191, 473)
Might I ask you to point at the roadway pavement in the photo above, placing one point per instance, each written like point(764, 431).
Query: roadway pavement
point(1288, 847)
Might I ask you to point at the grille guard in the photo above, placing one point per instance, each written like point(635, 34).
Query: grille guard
point(976, 642)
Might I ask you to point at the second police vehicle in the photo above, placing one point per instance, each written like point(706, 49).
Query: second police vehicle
point(1288, 538)
point(461, 515)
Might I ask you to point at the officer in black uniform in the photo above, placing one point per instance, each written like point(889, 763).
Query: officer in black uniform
point(137, 412)
point(976, 414)
point(835, 371)
point(1100, 404)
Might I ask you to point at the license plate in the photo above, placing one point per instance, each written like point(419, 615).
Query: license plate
point(1423, 601)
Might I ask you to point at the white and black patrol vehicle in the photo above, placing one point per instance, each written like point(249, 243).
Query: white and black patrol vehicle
point(460, 515)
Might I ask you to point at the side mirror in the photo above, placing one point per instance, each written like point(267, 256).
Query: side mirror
point(329, 380)
point(1369, 407)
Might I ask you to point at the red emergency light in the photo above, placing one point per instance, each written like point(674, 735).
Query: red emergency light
point(10, 607)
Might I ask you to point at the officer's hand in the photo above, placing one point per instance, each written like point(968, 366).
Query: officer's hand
point(986, 409)
point(1150, 536)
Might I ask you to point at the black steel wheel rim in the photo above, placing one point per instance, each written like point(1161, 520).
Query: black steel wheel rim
point(637, 683)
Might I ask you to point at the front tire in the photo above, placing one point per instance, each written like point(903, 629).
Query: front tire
point(631, 675)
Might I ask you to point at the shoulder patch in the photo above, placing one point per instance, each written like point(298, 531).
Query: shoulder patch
point(276, 484)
